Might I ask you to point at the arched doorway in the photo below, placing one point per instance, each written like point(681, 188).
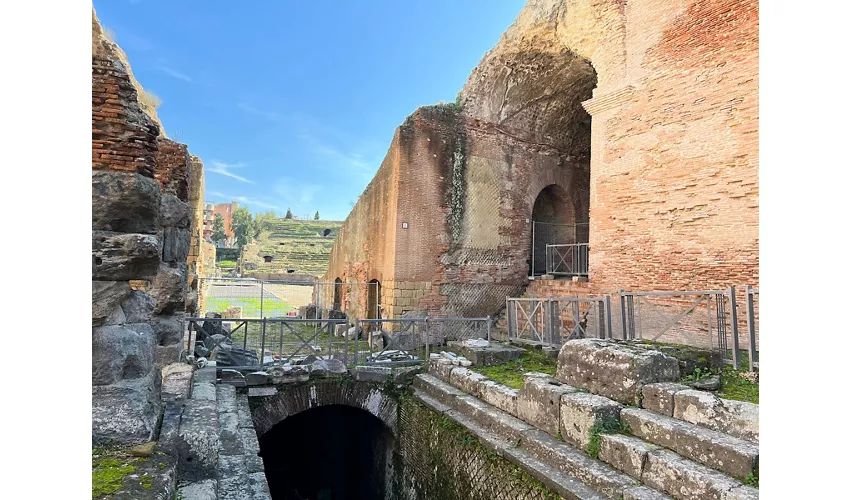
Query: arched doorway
point(337, 303)
point(553, 222)
point(328, 452)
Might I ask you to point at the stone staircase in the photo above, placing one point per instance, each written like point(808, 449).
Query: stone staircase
point(218, 445)
point(677, 444)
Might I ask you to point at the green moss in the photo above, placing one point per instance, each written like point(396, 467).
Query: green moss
point(510, 373)
point(607, 425)
point(147, 482)
point(734, 386)
point(751, 480)
point(109, 468)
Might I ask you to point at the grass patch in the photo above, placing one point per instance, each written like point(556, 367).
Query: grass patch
point(510, 373)
point(607, 425)
point(734, 386)
point(751, 480)
point(108, 470)
point(227, 264)
point(272, 307)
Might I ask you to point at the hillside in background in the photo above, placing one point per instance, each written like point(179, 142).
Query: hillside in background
point(294, 246)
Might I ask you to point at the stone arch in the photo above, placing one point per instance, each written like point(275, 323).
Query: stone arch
point(294, 399)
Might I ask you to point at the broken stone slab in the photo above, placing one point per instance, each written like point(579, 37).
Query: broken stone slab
point(659, 397)
point(124, 256)
point(336, 366)
point(288, 374)
point(340, 330)
point(539, 402)
point(736, 418)
point(711, 383)
point(257, 378)
point(682, 479)
point(232, 377)
point(106, 296)
point(614, 370)
point(319, 368)
point(581, 411)
point(728, 454)
point(124, 202)
point(177, 381)
point(372, 373)
point(122, 352)
point(494, 353)
point(126, 412)
point(440, 370)
point(262, 391)
point(625, 453)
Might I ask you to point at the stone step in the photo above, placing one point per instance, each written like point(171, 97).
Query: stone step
point(667, 471)
point(562, 484)
point(525, 440)
point(714, 449)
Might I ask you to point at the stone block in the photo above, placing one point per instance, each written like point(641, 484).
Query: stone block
point(499, 395)
point(625, 453)
point(494, 354)
point(177, 381)
point(539, 402)
point(174, 212)
point(122, 352)
point(257, 378)
point(106, 296)
point(138, 307)
point(643, 493)
point(175, 245)
point(659, 397)
point(736, 418)
point(441, 369)
point(232, 377)
point(581, 411)
point(731, 455)
point(168, 288)
point(614, 370)
point(372, 373)
point(167, 354)
point(124, 256)
point(126, 412)
point(124, 202)
point(668, 472)
point(197, 443)
point(467, 380)
point(201, 490)
point(262, 391)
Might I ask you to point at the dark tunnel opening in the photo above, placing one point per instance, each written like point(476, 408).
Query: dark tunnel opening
point(333, 452)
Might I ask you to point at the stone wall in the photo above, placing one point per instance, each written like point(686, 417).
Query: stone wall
point(195, 259)
point(646, 118)
point(141, 222)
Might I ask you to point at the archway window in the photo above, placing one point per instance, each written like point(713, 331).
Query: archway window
point(337, 295)
point(556, 220)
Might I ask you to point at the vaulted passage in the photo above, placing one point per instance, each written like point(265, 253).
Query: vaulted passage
point(332, 452)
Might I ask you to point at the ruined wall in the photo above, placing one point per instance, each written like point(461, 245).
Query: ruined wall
point(125, 246)
point(673, 143)
point(141, 222)
point(195, 259)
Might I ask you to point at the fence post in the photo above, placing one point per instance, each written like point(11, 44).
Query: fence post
point(734, 311)
point(608, 326)
point(623, 313)
point(357, 342)
point(533, 242)
point(488, 328)
point(262, 289)
point(427, 335)
point(262, 344)
point(751, 327)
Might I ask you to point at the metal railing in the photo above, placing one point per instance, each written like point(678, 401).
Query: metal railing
point(699, 318)
point(549, 233)
point(567, 260)
point(249, 343)
point(556, 320)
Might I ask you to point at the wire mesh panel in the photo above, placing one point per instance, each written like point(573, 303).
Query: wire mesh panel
point(694, 318)
point(250, 298)
point(457, 329)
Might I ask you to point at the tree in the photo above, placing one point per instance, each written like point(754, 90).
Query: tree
point(288, 214)
point(316, 217)
point(264, 222)
point(218, 234)
point(242, 226)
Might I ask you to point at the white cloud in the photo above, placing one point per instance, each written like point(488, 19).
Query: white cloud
point(219, 167)
point(174, 74)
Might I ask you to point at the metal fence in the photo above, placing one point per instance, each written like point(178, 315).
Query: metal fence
point(548, 233)
point(567, 260)
point(556, 320)
point(701, 318)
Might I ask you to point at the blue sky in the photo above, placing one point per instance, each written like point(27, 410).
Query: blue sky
point(294, 104)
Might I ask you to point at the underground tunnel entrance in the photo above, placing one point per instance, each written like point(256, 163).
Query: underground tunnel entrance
point(333, 452)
